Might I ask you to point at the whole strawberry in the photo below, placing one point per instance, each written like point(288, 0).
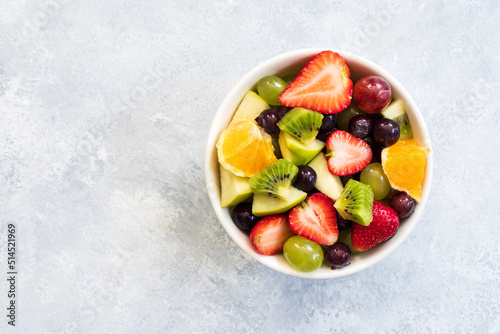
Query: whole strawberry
point(384, 225)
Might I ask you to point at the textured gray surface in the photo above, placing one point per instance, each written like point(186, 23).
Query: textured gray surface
point(104, 110)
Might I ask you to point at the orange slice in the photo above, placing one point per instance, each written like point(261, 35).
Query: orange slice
point(245, 149)
point(404, 165)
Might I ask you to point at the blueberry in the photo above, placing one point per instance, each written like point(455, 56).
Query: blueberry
point(360, 126)
point(305, 179)
point(268, 120)
point(386, 131)
point(243, 217)
point(403, 204)
point(343, 224)
point(328, 123)
point(338, 255)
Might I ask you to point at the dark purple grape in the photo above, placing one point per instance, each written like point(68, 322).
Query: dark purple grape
point(323, 135)
point(268, 120)
point(305, 179)
point(282, 110)
point(360, 126)
point(343, 224)
point(376, 149)
point(372, 143)
point(338, 255)
point(328, 123)
point(243, 217)
point(403, 204)
point(371, 94)
point(386, 131)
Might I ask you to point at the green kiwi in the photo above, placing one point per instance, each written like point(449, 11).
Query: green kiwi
point(302, 123)
point(396, 111)
point(275, 181)
point(356, 203)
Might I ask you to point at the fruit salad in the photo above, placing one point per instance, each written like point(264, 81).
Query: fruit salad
point(320, 168)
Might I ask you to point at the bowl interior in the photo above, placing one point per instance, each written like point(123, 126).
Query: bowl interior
point(292, 62)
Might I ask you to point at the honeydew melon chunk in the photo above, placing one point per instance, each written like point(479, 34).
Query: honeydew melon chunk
point(250, 107)
point(295, 151)
point(264, 205)
point(326, 182)
point(396, 112)
point(233, 189)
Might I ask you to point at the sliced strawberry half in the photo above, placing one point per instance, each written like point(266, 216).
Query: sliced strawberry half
point(384, 225)
point(315, 219)
point(322, 85)
point(268, 236)
point(346, 154)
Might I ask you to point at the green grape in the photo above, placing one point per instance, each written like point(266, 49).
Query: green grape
point(270, 88)
point(303, 254)
point(345, 116)
point(374, 176)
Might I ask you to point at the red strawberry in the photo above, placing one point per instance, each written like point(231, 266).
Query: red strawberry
point(315, 219)
point(269, 235)
point(322, 85)
point(346, 154)
point(384, 225)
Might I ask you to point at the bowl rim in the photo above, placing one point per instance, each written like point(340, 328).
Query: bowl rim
point(220, 121)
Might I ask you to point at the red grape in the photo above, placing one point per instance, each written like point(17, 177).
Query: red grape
point(371, 94)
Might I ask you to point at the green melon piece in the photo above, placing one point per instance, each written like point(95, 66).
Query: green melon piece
point(233, 189)
point(326, 182)
point(250, 107)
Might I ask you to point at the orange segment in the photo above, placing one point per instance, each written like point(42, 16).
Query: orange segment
point(244, 149)
point(404, 165)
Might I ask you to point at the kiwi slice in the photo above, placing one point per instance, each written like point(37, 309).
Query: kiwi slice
point(356, 203)
point(275, 181)
point(396, 111)
point(301, 123)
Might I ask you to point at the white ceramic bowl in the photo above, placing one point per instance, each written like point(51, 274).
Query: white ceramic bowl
point(292, 62)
